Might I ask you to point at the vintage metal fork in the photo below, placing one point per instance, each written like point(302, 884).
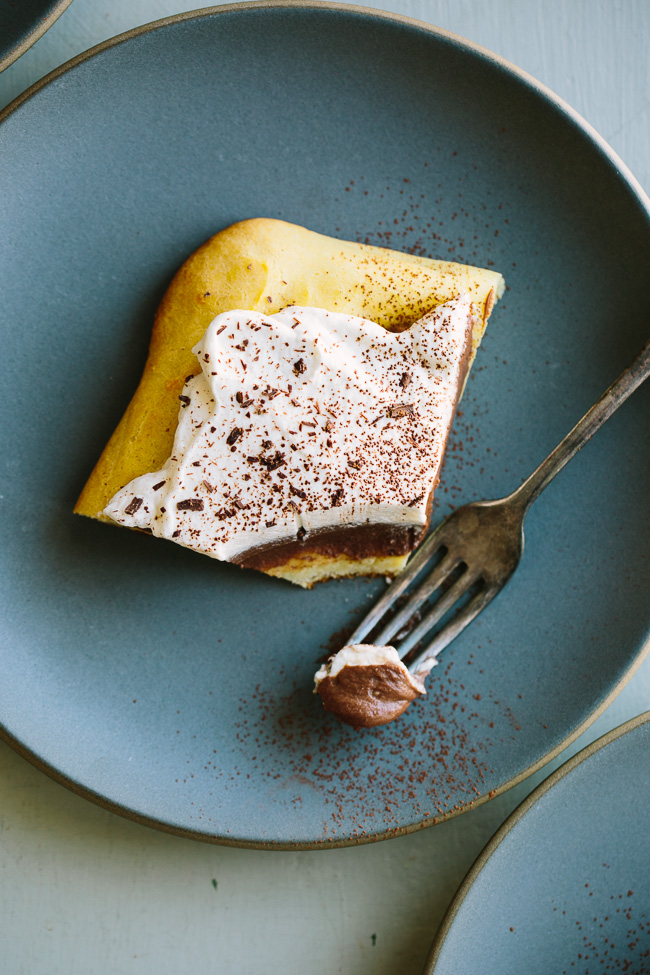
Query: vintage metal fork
point(478, 547)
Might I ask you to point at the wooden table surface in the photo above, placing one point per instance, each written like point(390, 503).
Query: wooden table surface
point(84, 892)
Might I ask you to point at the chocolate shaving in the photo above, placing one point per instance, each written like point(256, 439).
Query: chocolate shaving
point(400, 409)
point(299, 367)
point(337, 497)
point(357, 464)
point(234, 436)
point(298, 492)
point(272, 463)
point(405, 379)
point(224, 513)
point(133, 506)
point(185, 400)
point(243, 400)
point(176, 533)
point(300, 534)
point(158, 486)
point(190, 504)
point(208, 487)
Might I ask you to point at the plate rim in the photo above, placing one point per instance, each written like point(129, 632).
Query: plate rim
point(643, 200)
point(512, 820)
point(41, 27)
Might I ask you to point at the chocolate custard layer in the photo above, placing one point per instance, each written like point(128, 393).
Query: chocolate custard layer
point(354, 542)
point(367, 696)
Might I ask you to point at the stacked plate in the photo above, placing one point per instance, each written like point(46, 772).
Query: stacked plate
point(564, 885)
point(21, 24)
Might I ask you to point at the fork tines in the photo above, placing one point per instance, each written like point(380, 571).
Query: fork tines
point(452, 576)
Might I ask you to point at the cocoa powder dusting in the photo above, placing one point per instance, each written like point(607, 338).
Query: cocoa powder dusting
point(602, 931)
point(420, 225)
point(430, 763)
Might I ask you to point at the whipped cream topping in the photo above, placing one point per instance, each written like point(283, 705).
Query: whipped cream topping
point(364, 655)
point(366, 685)
point(301, 421)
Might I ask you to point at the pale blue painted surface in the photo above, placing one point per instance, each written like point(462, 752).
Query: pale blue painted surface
point(86, 891)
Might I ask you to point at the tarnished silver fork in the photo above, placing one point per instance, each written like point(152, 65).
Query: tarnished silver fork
point(478, 547)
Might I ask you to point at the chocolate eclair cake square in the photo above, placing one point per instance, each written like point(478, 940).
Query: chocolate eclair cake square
point(296, 402)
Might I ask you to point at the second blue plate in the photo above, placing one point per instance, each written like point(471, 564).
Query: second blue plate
point(564, 886)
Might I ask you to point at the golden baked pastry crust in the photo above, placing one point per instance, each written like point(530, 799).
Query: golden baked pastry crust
point(264, 265)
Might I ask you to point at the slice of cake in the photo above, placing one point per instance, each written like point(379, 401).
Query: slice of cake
point(307, 440)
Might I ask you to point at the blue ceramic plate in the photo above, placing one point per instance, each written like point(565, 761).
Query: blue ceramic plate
point(22, 22)
point(564, 885)
point(177, 690)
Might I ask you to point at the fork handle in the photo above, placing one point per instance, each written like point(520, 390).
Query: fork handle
point(629, 380)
